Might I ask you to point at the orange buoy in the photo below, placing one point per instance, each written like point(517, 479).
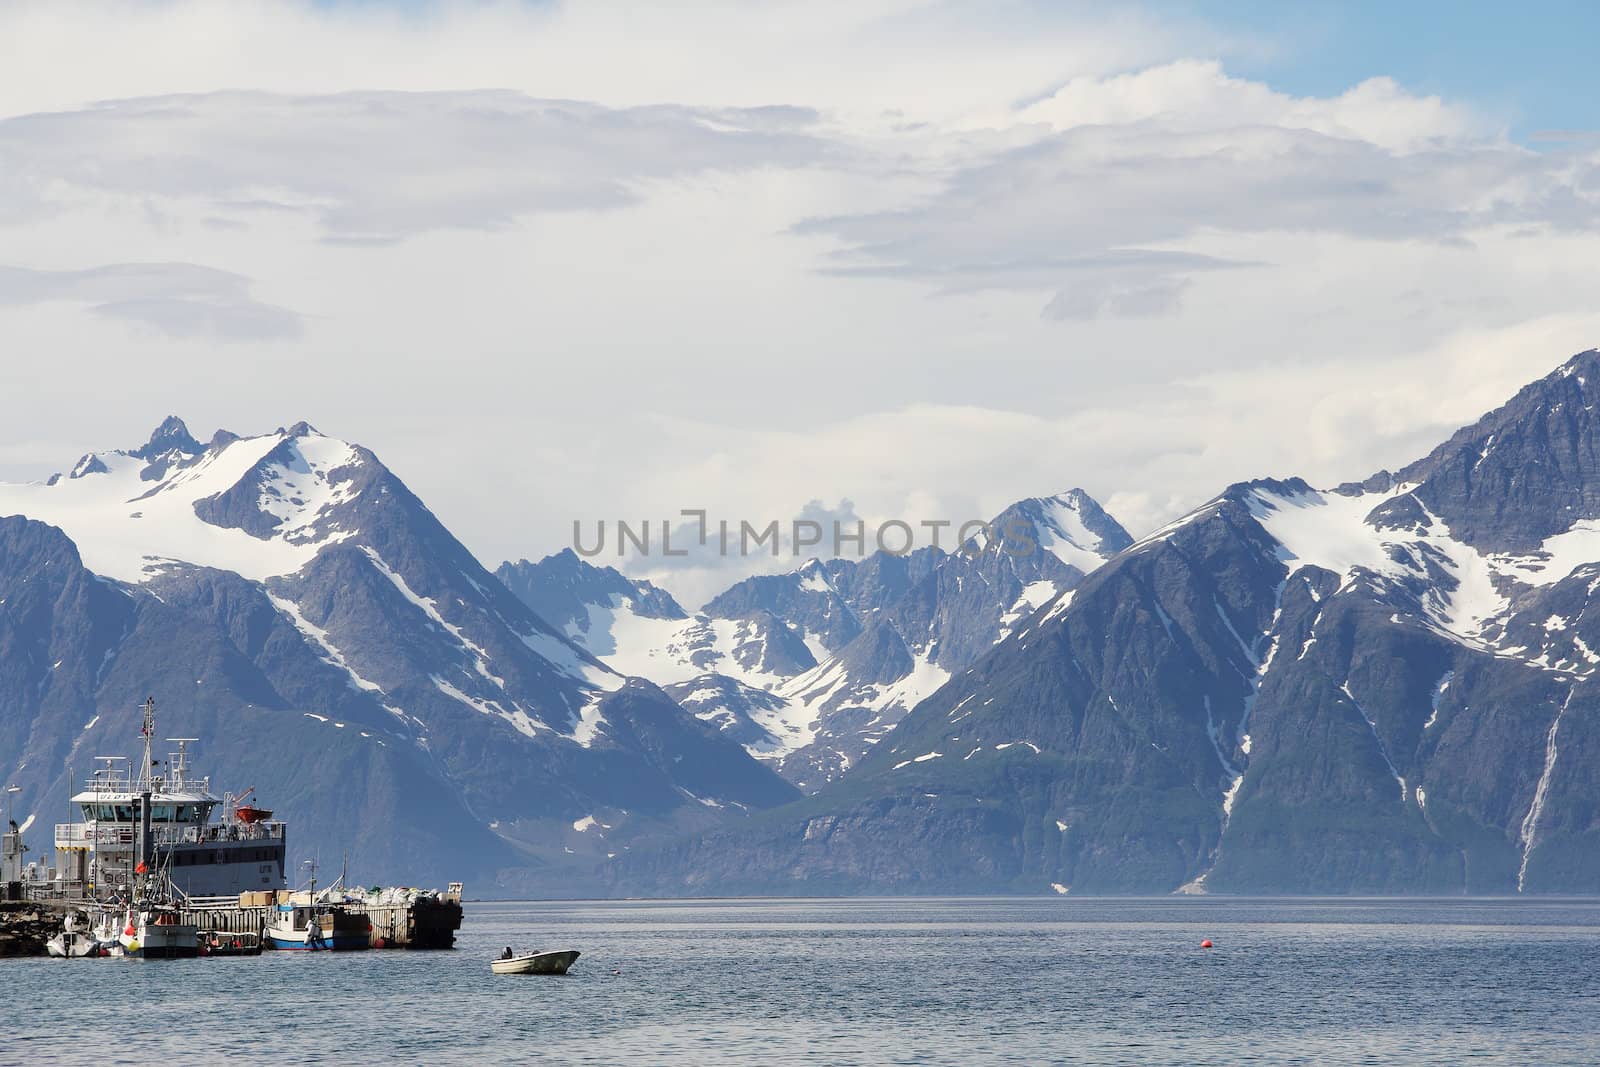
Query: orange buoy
point(1205, 944)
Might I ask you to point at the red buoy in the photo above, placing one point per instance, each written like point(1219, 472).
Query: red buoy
point(1205, 944)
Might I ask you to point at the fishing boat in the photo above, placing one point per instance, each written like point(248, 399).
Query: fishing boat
point(156, 931)
point(535, 963)
point(312, 927)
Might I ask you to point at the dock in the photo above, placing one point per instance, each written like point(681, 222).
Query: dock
point(395, 919)
point(412, 921)
point(144, 831)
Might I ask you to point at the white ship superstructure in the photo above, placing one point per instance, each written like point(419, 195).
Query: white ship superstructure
point(164, 821)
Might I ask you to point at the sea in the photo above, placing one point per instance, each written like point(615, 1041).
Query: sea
point(868, 981)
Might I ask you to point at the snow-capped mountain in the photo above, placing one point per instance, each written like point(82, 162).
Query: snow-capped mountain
point(727, 670)
point(958, 609)
point(1387, 686)
point(289, 600)
point(810, 668)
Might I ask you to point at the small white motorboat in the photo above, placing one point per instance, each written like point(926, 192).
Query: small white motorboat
point(72, 942)
point(535, 963)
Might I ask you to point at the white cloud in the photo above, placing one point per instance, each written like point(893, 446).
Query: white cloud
point(377, 167)
point(1200, 95)
point(928, 60)
point(1135, 176)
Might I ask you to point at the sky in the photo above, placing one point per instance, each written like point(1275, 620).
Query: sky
point(887, 259)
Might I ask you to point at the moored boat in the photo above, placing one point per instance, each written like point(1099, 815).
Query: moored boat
point(221, 943)
point(157, 932)
point(535, 963)
point(75, 941)
point(165, 819)
point(312, 927)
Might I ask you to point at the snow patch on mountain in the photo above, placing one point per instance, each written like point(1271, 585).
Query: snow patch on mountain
point(130, 529)
point(524, 723)
point(589, 723)
point(319, 638)
point(1336, 532)
point(1064, 533)
point(298, 490)
point(1559, 556)
point(1035, 595)
point(676, 650)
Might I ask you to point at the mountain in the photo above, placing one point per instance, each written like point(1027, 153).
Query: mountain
point(953, 609)
point(811, 668)
point(726, 669)
point(288, 600)
point(1384, 687)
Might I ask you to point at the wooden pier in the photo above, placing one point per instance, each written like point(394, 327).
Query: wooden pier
point(425, 922)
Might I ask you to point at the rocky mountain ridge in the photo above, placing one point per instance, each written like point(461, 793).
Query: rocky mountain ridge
point(1384, 687)
point(811, 668)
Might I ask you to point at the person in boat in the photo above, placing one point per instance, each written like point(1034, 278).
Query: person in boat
point(506, 955)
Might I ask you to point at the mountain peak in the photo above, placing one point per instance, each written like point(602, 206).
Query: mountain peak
point(1586, 362)
point(813, 570)
point(171, 435)
point(1074, 498)
point(1525, 471)
point(1076, 527)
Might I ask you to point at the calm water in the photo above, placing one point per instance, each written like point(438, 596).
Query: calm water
point(866, 982)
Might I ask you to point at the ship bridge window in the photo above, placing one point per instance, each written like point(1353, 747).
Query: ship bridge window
point(174, 812)
point(122, 812)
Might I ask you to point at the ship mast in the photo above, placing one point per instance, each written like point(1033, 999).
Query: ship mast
point(143, 853)
point(148, 733)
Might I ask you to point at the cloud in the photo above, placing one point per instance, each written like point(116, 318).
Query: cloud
point(179, 300)
point(1120, 168)
point(377, 167)
point(925, 60)
point(1196, 95)
point(1158, 297)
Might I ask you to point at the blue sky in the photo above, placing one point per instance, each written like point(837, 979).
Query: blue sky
point(1532, 65)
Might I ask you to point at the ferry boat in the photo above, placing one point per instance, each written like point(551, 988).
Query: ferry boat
point(166, 821)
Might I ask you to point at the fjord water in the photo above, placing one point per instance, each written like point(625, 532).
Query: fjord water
point(918, 981)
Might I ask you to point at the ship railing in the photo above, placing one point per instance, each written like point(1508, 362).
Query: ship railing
point(219, 833)
point(211, 903)
point(87, 835)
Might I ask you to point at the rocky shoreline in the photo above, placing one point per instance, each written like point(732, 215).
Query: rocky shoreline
point(25, 926)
